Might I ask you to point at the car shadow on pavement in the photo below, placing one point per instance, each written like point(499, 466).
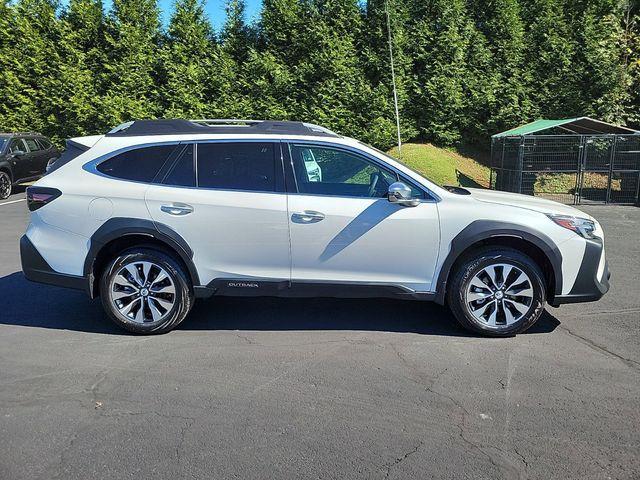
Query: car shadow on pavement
point(42, 306)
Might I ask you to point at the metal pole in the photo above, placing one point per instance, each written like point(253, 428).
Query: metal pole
point(521, 163)
point(577, 198)
point(393, 75)
point(612, 156)
point(491, 165)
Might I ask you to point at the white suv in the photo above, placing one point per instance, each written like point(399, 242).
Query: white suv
point(157, 213)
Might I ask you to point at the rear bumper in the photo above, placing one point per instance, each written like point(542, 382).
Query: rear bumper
point(37, 269)
point(587, 287)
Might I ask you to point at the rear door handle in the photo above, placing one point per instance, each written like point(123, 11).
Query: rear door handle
point(177, 209)
point(308, 216)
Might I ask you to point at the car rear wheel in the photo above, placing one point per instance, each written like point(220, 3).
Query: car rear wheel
point(497, 292)
point(5, 185)
point(146, 291)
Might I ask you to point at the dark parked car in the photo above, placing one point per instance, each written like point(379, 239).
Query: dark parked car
point(23, 158)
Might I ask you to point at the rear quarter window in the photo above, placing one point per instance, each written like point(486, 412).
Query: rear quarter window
point(44, 143)
point(139, 165)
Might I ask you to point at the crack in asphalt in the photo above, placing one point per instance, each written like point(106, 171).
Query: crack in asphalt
point(604, 312)
point(601, 349)
point(94, 389)
point(189, 421)
point(390, 466)
point(522, 457)
point(505, 467)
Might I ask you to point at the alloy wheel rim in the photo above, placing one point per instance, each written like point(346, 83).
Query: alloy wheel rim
point(5, 185)
point(143, 292)
point(499, 295)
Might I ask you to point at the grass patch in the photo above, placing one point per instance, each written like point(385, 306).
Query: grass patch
point(443, 166)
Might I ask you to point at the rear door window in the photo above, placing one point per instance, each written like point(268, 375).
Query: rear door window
point(237, 166)
point(139, 165)
point(32, 145)
point(183, 173)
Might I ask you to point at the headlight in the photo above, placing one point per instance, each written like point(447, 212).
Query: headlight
point(582, 226)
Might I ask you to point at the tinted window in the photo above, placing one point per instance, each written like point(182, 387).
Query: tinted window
point(141, 164)
point(32, 145)
point(330, 171)
point(71, 152)
point(17, 146)
point(237, 166)
point(182, 174)
point(44, 144)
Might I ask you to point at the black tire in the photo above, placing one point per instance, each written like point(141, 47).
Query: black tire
point(5, 185)
point(471, 266)
point(183, 298)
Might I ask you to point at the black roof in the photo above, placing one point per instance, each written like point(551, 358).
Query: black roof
point(181, 126)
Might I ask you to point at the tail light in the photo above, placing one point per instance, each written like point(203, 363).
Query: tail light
point(39, 196)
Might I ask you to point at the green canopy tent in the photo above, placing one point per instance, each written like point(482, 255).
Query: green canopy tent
point(575, 126)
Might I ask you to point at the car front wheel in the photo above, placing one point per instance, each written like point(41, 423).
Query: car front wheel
point(146, 291)
point(497, 292)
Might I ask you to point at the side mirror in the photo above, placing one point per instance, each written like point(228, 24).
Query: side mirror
point(17, 153)
point(401, 194)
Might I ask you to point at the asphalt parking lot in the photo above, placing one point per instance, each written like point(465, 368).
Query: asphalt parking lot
point(322, 388)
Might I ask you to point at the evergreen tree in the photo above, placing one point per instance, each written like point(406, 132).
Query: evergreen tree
point(129, 81)
point(332, 75)
point(236, 35)
point(82, 59)
point(229, 75)
point(439, 48)
point(553, 80)
point(631, 60)
point(35, 67)
point(187, 60)
point(271, 79)
point(502, 99)
point(603, 79)
point(17, 100)
point(377, 63)
point(464, 68)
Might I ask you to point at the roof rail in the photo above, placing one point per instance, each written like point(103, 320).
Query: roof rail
point(21, 133)
point(218, 126)
point(318, 128)
point(225, 121)
point(120, 128)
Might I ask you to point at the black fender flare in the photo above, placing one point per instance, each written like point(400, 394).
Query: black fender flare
point(118, 227)
point(480, 230)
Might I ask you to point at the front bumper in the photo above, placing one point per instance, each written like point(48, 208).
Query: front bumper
point(37, 269)
point(588, 287)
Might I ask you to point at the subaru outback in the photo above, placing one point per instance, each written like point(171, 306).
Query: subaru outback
point(157, 213)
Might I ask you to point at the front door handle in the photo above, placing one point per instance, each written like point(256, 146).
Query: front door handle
point(308, 216)
point(177, 209)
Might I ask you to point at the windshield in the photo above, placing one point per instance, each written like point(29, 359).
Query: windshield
point(3, 142)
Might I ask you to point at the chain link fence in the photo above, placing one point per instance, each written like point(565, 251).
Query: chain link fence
point(572, 169)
